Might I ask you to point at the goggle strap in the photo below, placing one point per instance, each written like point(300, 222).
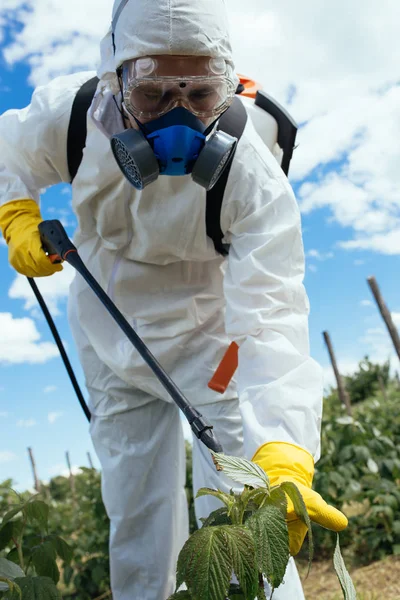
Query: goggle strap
point(116, 18)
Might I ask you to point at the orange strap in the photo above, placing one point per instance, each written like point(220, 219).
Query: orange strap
point(251, 87)
point(225, 370)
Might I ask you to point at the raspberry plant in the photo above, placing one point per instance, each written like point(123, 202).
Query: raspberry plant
point(247, 537)
point(29, 571)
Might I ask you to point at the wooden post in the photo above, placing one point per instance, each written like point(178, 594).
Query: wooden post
point(386, 316)
point(397, 380)
point(343, 395)
point(36, 479)
point(382, 386)
point(71, 476)
point(90, 460)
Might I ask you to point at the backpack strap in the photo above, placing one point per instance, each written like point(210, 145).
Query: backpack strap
point(233, 122)
point(76, 139)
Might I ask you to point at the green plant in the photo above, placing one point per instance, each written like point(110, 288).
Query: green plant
point(82, 518)
point(359, 472)
point(367, 380)
point(248, 536)
point(29, 569)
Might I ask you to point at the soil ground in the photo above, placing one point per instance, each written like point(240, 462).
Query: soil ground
point(377, 581)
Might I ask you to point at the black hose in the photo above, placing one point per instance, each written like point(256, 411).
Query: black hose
point(60, 346)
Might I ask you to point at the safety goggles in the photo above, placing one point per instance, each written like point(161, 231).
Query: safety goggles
point(154, 86)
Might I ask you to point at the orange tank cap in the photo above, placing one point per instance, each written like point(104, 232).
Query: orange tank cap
point(251, 86)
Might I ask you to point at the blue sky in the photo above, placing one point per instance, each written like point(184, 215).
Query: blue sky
point(344, 175)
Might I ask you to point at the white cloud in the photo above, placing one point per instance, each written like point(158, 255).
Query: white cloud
point(319, 255)
point(4, 414)
point(54, 290)
point(312, 268)
point(49, 389)
point(3, 242)
point(6, 456)
point(376, 344)
point(366, 303)
point(26, 423)
point(53, 416)
point(359, 262)
point(396, 318)
point(345, 95)
point(20, 342)
point(384, 243)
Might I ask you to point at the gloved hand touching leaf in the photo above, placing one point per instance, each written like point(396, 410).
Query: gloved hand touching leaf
point(286, 462)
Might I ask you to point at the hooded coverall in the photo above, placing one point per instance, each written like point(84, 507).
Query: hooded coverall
point(150, 252)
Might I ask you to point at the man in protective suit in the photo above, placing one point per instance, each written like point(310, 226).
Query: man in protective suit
point(147, 246)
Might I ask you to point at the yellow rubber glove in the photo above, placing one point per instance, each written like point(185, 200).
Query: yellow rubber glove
point(19, 222)
point(287, 462)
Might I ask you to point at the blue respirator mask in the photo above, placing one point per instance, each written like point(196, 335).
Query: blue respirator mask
point(170, 111)
point(175, 144)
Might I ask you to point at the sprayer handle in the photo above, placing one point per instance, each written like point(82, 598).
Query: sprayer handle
point(55, 241)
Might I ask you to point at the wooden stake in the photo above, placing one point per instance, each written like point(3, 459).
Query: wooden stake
point(343, 395)
point(36, 480)
point(382, 386)
point(386, 316)
point(90, 460)
point(71, 476)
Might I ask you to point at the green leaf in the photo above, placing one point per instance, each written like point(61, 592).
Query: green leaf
point(277, 498)
point(38, 511)
point(37, 588)
point(270, 534)
point(235, 592)
point(254, 496)
point(98, 573)
point(11, 513)
point(63, 549)
point(242, 470)
point(243, 551)
point(300, 509)
point(6, 534)
point(182, 595)
point(8, 585)
point(396, 527)
point(348, 589)
point(68, 573)
point(205, 562)
point(217, 517)
point(44, 561)
point(204, 565)
point(227, 499)
point(9, 569)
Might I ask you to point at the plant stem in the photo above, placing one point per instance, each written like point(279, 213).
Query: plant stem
point(21, 557)
point(261, 592)
point(19, 545)
point(104, 596)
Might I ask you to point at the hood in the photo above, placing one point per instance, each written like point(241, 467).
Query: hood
point(175, 27)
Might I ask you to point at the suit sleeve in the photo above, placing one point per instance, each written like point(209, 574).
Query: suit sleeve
point(280, 386)
point(33, 140)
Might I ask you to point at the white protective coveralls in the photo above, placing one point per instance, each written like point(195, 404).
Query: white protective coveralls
point(150, 252)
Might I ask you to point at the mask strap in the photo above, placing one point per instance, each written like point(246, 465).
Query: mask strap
point(211, 127)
